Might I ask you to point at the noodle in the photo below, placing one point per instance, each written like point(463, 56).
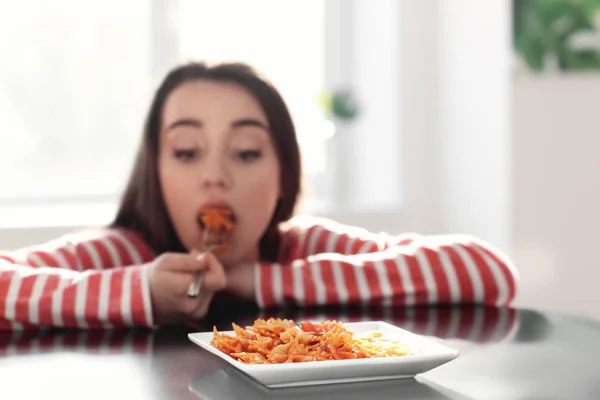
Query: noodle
point(217, 224)
point(277, 341)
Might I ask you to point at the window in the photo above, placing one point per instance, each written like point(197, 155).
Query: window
point(80, 76)
point(72, 96)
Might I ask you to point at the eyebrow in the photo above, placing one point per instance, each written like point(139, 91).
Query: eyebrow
point(194, 123)
point(238, 123)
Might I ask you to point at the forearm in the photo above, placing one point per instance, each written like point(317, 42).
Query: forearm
point(430, 270)
point(95, 250)
point(61, 298)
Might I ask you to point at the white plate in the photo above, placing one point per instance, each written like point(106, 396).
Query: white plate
point(428, 354)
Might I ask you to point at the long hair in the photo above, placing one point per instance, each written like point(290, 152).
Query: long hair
point(142, 206)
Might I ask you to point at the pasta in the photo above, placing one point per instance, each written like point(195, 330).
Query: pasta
point(277, 341)
point(217, 224)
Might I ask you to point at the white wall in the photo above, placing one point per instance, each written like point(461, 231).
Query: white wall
point(27, 225)
point(556, 178)
point(418, 88)
point(520, 158)
point(475, 63)
point(14, 238)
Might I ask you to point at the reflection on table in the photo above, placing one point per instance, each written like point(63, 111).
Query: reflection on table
point(163, 363)
point(474, 324)
point(229, 384)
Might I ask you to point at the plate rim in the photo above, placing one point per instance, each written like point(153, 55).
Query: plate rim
point(448, 353)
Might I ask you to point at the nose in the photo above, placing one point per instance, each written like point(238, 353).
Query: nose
point(215, 173)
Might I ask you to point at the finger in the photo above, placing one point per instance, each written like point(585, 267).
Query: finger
point(195, 287)
point(202, 308)
point(197, 306)
point(191, 263)
point(195, 253)
point(211, 279)
point(189, 307)
point(214, 276)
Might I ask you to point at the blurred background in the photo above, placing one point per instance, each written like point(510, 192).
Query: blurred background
point(432, 116)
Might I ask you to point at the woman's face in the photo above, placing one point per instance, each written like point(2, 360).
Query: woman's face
point(215, 148)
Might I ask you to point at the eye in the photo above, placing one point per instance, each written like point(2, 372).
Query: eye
point(185, 154)
point(249, 155)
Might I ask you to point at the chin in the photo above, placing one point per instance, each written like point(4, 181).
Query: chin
point(239, 256)
point(224, 258)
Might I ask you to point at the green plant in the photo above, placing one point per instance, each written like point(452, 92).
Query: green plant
point(339, 104)
point(545, 28)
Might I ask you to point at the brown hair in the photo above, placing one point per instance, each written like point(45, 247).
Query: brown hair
point(142, 207)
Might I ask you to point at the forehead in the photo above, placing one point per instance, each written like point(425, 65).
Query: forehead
point(209, 100)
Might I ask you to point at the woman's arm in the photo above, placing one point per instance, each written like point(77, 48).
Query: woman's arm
point(94, 249)
point(328, 263)
point(81, 282)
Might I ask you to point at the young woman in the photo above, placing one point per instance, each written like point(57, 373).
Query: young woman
point(222, 136)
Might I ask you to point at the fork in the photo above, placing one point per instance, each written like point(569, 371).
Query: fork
point(195, 286)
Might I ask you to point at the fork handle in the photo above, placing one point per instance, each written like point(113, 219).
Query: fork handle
point(195, 286)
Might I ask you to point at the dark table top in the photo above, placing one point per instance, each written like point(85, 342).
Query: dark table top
point(505, 354)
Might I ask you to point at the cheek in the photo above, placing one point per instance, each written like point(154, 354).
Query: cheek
point(264, 185)
point(260, 195)
point(175, 187)
point(171, 184)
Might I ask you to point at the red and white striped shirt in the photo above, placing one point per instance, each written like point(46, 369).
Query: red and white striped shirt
point(99, 279)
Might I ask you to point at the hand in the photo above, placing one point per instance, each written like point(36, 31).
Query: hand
point(240, 280)
point(169, 279)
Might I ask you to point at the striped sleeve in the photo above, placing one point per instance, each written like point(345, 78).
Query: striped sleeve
point(96, 250)
point(384, 270)
point(82, 282)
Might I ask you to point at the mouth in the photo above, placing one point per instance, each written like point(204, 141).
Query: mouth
point(217, 222)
